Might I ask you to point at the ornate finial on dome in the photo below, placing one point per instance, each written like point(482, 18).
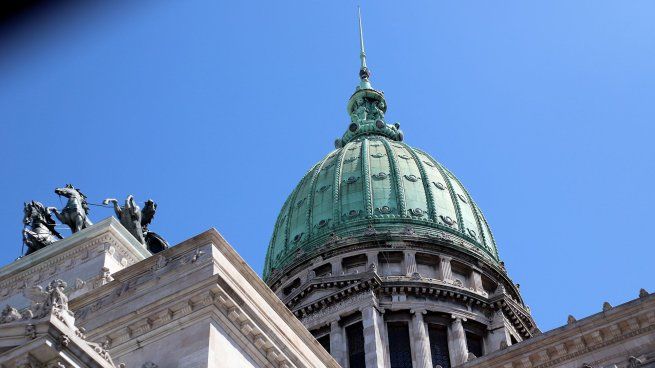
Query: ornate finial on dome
point(367, 106)
point(364, 73)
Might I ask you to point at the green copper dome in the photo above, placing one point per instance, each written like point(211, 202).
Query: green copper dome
point(373, 183)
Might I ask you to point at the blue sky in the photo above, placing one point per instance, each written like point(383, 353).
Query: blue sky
point(544, 110)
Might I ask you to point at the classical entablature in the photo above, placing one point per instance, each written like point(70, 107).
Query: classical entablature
point(45, 335)
point(197, 302)
point(85, 260)
point(622, 336)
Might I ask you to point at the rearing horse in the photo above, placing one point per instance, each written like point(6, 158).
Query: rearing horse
point(39, 231)
point(75, 213)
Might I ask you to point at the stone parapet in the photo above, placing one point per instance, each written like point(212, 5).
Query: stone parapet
point(614, 337)
point(85, 260)
point(196, 304)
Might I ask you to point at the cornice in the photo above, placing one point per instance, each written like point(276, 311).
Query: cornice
point(68, 252)
point(584, 337)
point(223, 287)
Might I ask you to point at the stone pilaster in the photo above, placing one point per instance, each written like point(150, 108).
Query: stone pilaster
point(338, 348)
point(372, 259)
point(410, 262)
point(337, 270)
point(445, 272)
point(457, 348)
point(373, 348)
point(420, 341)
point(476, 279)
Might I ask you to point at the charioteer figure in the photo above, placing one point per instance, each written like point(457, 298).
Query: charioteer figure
point(39, 231)
point(136, 221)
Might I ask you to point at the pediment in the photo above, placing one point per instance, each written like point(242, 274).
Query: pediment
point(317, 295)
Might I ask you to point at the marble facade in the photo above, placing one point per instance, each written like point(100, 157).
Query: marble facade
point(197, 304)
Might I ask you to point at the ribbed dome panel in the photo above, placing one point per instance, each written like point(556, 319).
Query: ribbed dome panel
point(375, 182)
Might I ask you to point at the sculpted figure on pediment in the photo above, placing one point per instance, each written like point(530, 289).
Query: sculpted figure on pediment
point(137, 220)
point(39, 230)
point(9, 314)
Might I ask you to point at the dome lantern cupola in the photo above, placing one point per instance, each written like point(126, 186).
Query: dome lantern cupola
point(367, 106)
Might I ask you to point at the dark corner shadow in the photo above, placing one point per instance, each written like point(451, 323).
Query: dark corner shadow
point(37, 18)
point(29, 24)
point(16, 15)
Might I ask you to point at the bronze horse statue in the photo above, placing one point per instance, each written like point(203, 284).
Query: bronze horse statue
point(39, 230)
point(129, 215)
point(136, 221)
point(75, 213)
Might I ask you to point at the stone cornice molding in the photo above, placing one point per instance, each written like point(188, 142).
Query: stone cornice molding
point(66, 253)
point(209, 301)
point(348, 285)
point(361, 240)
point(521, 320)
point(329, 313)
point(55, 338)
point(587, 336)
point(435, 246)
point(231, 292)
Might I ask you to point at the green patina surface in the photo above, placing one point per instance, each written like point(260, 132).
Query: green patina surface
point(374, 181)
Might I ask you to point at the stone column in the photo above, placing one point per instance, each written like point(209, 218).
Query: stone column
point(338, 348)
point(385, 339)
point(420, 341)
point(373, 348)
point(457, 348)
point(410, 262)
point(445, 272)
point(476, 279)
point(336, 267)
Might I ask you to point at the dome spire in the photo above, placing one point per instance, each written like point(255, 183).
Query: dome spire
point(366, 107)
point(364, 73)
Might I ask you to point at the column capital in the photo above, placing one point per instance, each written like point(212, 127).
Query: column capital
point(445, 258)
point(418, 311)
point(364, 308)
point(333, 321)
point(458, 318)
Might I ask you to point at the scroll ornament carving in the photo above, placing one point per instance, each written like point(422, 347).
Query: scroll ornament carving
point(634, 362)
point(44, 301)
point(51, 301)
point(9, 314)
